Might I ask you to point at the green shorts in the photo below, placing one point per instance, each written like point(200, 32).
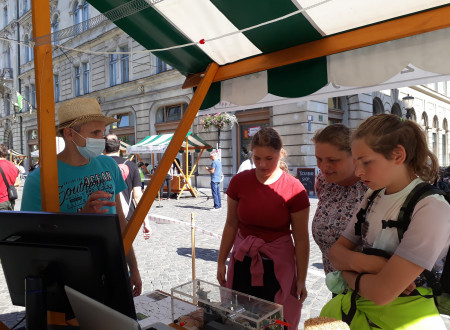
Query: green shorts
point(411, 312)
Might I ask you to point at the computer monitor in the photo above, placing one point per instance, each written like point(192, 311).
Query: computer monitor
point(83, 251)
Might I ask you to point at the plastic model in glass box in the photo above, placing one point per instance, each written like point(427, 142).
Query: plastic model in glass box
point(228, 307)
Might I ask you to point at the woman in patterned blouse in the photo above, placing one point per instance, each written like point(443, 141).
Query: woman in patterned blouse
point(338, 189)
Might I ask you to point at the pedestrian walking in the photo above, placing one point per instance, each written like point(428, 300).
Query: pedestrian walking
point(216, 177)
point(10, 177)
point(131, 196)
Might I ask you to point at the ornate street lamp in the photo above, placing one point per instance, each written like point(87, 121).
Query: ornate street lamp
point(408, 101)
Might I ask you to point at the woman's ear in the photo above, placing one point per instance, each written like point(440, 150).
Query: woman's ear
point(399, 154)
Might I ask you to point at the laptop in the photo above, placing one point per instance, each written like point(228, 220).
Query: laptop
point(93, 315)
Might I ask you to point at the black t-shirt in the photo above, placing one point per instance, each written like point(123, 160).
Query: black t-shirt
point(130, 174)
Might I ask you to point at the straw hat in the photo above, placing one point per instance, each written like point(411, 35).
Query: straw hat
point(80, 111)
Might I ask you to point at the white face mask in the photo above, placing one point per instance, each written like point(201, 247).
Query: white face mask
point(93, 148)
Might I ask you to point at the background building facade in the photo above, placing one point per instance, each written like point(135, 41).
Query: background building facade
point(145, 94)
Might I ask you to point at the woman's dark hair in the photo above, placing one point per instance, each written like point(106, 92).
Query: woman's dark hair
point(337, 135)
point(3, 151)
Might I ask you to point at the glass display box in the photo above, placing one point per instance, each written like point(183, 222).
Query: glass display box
point(224, 308)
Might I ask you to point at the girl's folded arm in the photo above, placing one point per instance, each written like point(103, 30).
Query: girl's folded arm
point(343, 257)
point(390, 282)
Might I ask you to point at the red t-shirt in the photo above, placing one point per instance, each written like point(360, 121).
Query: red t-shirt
point(263, 210)
point(11, 173)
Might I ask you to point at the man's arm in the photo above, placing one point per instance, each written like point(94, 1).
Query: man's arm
point(211, 169)
point(136, 282)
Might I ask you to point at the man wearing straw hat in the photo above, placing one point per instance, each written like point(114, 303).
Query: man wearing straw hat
point(88, 181)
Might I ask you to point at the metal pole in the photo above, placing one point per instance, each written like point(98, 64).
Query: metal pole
point(193, 245)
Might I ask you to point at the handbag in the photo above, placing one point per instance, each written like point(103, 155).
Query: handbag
point(12, 191)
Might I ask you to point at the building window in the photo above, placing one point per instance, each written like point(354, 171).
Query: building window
point(85, 15)
point(435, 135)
point(86, 86)
point(27, 94)
point(26, 5)
point(56, 87)
point(170, 113)
point(125, 120)
point(396, 110)
point(161, 66)
point(112, 69)
point(55, 28)
point(27, 48)
point(335, 112)
point(444, 149)
point(124, 128)
point(124, 65)
point(8, 59)
point(76, 14)
point(377, 106)
point(444, 143)
point(33, 95)
point(33, 134)
point(77, 80)
point(5, 16)
point(8, 104)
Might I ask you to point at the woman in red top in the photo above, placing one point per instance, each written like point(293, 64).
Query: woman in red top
point(264, 204)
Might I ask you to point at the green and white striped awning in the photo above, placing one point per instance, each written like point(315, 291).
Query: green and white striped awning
point(190, 34)
point(159, 143)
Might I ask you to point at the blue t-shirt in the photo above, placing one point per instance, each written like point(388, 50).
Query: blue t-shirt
point(75, 184)
point(216, 176)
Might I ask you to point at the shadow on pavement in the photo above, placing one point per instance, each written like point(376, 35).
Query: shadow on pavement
point(318, 265)
point(194, 207)
point(13, 319)
point(200, 253)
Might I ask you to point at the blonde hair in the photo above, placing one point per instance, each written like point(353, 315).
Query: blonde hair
point(384, 132)
point(337, 135)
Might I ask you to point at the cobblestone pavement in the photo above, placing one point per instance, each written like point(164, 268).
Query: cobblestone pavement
point(165, 259)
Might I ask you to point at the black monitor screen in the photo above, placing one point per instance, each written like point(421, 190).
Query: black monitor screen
point(83, 251)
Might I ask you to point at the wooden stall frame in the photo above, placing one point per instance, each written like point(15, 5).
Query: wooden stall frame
point(361, 37)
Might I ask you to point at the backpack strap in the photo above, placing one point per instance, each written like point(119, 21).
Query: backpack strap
point(361, 215)
point(419, 192)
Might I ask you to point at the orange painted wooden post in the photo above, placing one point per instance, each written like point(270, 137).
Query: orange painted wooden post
point(169, 155)
point(43, 68)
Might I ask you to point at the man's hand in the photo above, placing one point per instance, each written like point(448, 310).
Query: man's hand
point(136, 282)
point(96, 202)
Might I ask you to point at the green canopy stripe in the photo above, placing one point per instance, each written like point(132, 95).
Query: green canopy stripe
point(212, 97)
point(159, 143)
point(271, 37)
point(299, 79)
